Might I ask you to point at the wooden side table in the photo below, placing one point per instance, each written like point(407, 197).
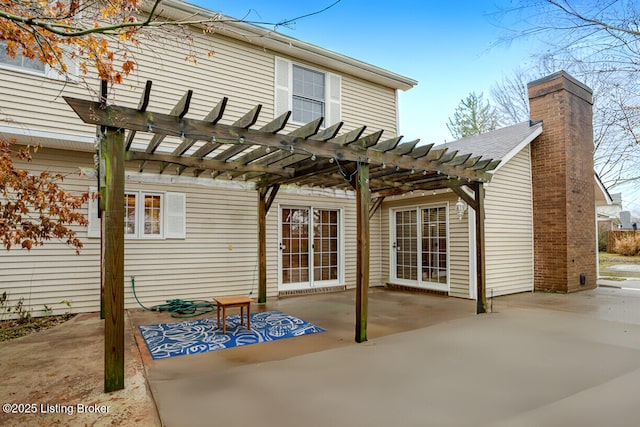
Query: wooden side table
point(230, 302)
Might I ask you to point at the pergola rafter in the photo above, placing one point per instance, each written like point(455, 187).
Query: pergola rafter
point(307, 141)
point(308, 156)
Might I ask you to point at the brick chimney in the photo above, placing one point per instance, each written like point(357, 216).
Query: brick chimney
point(563, 185)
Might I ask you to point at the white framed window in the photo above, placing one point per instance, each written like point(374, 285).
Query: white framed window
point(307, 92)
point(35, 66)
point(420, 246)
point(147, 215)
point(144, 216)
point(20, 61)
point(311, 247)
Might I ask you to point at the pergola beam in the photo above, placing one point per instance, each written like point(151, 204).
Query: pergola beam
point(142, 106)
point(178, 112)
point(204, 164)
point(91, 112)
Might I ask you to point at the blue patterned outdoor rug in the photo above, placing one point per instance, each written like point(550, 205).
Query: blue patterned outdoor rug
point(202, 335)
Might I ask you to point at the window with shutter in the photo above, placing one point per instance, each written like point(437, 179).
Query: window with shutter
point(308, 93)
point(147, 215)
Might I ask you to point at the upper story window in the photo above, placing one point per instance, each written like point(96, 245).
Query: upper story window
point(20, 61)
point(35, 66)
point(307, 92)
point(308, 95)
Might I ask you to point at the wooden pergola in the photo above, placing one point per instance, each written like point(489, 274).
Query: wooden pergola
point(308, 156)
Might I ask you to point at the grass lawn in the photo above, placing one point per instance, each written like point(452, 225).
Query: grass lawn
point(607, 260)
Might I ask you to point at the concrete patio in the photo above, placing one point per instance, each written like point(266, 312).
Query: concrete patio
point(538, 359)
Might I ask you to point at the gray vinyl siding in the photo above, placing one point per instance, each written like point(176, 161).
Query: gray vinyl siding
point(509, 228)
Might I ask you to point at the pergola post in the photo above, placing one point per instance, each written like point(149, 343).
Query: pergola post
point(481, 279)
point(101, 216)
point(262, 245)
point(363, 201)
point(266, 196)
point(112, 168)
point(477, 204)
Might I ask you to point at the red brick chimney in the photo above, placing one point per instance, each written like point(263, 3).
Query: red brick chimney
point(563, 185)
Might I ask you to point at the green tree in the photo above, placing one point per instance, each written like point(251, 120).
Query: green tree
point(472, 116)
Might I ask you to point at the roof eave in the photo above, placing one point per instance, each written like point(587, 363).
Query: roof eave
point(603, 190)
point(48, 138)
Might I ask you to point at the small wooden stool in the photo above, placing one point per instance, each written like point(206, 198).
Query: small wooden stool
point(230, 302)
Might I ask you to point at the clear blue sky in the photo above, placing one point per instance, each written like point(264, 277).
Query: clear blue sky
point(450, 47)
point(445, 46)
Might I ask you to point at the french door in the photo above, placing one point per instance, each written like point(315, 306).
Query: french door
point(419, 250)
point(309, 247)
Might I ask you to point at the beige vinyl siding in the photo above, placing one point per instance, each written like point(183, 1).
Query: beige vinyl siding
point(458, 250)
point(218, 257)
point(458, 238)
point(383, 236)
point(377, 274)
point(368, 104)
point(53, 273)
point(241, 71)
point(509, 228)
point(35, 102)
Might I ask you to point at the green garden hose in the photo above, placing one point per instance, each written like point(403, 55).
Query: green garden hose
point(178, 308)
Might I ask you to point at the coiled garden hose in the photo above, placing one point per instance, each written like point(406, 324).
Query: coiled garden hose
point(178, 308)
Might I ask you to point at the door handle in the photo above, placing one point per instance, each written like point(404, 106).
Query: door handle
point(282, 247)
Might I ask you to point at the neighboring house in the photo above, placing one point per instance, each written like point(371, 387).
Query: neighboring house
point(625, 220)
point(612, 209)
point(192, 235)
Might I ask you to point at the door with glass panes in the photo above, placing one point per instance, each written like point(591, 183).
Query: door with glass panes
point(419, 247)
point(309, 247)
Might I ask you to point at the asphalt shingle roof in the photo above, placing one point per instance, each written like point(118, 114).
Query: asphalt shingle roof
point(496, 144)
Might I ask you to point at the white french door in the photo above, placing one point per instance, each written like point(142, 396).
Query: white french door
point(310, 245)
point(419, 247)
